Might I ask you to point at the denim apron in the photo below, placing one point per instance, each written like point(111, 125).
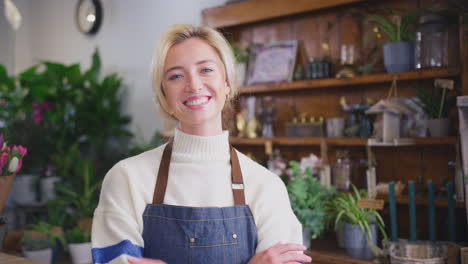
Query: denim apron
point(196, 235)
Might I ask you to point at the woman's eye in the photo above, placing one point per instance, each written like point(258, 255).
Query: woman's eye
point(175, 76)
point(207, 70)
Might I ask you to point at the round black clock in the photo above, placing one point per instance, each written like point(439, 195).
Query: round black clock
point(88, 16)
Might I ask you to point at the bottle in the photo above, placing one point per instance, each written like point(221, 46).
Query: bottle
point(341, 171)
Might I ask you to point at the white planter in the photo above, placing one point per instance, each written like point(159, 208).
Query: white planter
point(43, 255)
point(81, 253)
point(48, 188)
point(24, 189)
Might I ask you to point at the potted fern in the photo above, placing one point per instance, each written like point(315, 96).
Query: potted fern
point(399, 51)
point(359, 224)
point(310, 201)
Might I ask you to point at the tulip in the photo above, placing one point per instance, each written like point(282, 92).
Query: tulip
point(3, 159)
point(14, 165)
point(18, 150)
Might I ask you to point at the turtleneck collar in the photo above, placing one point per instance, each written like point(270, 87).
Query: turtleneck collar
point(187, 144)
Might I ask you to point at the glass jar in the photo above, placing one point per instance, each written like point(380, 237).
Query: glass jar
point(341, 171)
point(436, 41)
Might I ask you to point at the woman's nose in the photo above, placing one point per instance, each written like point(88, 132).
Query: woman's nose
point(194, 83)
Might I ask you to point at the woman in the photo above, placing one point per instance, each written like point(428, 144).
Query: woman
point(195, 199)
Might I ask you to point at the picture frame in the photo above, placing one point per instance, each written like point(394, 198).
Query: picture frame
point(272, 63)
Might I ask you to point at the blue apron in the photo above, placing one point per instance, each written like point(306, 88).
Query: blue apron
point(196, 235)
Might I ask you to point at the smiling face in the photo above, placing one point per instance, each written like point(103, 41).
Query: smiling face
point(194, 82)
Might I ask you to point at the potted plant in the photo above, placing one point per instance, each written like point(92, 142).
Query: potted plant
point(310, 200)
point(436, 105)
point(79, 243)
point(38, 243)
point(11, 160)
point(359, 224)
point(37, 247)
point(82, 194)
point(399, 51)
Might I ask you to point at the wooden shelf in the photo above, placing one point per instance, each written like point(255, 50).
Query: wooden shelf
point(326, 251)
point(241, 13)
point(359, 80)
point(286, 141)
point(422, 200)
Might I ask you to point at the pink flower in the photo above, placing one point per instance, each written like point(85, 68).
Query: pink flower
point(46, 106)
point(15, 150)
point(4, 159)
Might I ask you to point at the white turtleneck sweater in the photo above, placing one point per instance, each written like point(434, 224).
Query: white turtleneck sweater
point(199, 176)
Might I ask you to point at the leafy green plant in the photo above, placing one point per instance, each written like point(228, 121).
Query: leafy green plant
point(48, 237)
point(77, 236)
point(310, 200)
point(66, 106)
point(347, 210)
point(32, 244)
point(434, 102)
point(56, 215)
point(82, 195)
point(399, 27)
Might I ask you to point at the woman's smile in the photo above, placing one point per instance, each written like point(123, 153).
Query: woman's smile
point(197, 102)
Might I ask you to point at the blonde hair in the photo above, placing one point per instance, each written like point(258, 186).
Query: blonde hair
point(179, 33)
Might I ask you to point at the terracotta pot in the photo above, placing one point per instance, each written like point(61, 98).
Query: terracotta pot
point(5, 185)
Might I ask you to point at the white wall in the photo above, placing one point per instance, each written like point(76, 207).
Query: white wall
point(125, 40)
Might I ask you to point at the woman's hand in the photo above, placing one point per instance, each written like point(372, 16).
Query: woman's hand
point(133, 260)
point(281, 253)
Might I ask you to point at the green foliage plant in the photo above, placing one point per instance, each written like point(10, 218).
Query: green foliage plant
point(78, 107)
point(48, 238)
point(82, 196)
point(310, 200)
point(347, 210)
point(434, 102)
point(77, 236)
point(33, 244)
point(398, 27)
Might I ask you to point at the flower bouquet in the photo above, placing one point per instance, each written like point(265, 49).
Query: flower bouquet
point(11, 159)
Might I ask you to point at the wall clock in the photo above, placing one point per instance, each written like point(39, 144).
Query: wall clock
point(88, 16)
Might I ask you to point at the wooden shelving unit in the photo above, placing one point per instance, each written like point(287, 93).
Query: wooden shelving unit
point(240, 13)
point(359, 80)
point(325, 251)
point(315, 141)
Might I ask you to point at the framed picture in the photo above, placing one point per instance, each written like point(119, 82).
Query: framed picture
point(272, 63)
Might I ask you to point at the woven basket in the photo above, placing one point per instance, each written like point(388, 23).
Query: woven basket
point(420, 252)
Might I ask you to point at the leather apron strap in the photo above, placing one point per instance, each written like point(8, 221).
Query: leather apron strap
point(163, 175)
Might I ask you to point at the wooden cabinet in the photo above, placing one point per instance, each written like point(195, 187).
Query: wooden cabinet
point(335, 23)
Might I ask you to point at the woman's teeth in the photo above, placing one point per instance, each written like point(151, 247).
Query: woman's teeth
point(197, 102)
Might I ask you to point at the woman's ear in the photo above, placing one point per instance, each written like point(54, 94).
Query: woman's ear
point(227, 87)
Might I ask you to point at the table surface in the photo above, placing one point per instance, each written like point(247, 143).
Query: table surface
point(10, 259)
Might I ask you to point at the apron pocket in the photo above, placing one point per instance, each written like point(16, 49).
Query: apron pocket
point(213, 250)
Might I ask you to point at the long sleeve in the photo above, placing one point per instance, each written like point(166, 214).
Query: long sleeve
point(116, 232)
point(276, 221)
point(269, 201)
